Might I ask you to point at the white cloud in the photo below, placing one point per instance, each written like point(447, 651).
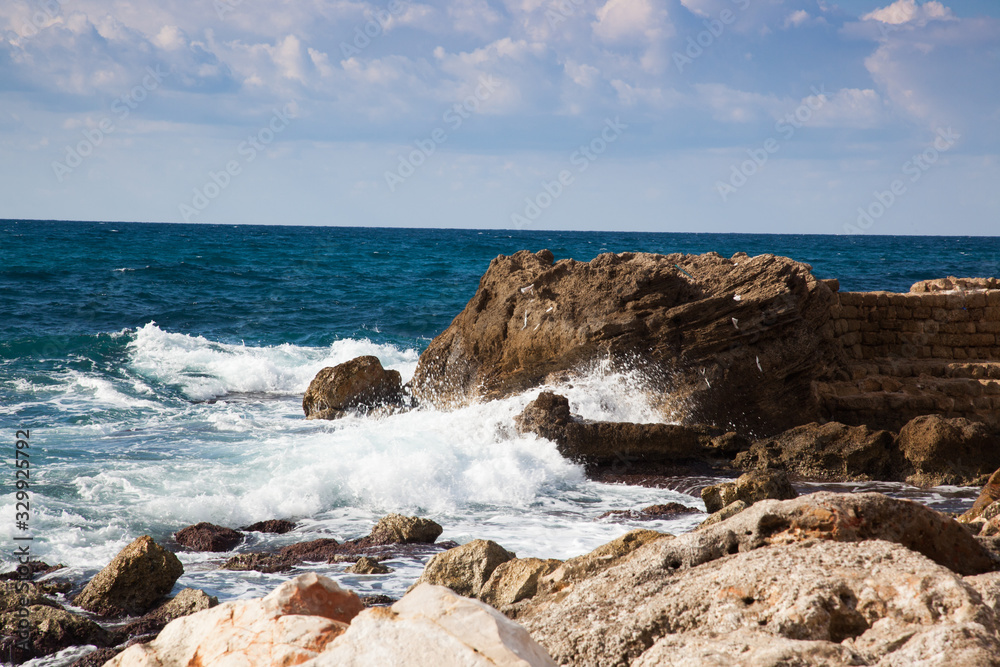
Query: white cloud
point(620, 21)
point(905, 11)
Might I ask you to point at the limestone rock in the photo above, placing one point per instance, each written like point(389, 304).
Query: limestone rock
point(548, 416)
point(433, 627)
point(989, 494)
point(601, 558)
point(366, 565)
point(749, 487)
point(467, 568)
point(206, 536)
point(651, 513)
point(276, 526)
point(732, 509)
point(749, 362)
point(360, 383)
point(50, 630)
point(188, 601)
point(294, 623)
point(515, 580)
point(399, 529)
point(953, 284)
point(949, 451)
point(806, 602)
point(137, 578)
point(14, 594)
point(831, 451)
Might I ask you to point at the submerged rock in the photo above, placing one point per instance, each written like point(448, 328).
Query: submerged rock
point(137, 578)
point(366, 565)
point(749, 362)
point(358, 384)
point(749, 487)
point(949, 451)
point(651, 513)
point(276, 526)
point(206, 536)
point(467, 568)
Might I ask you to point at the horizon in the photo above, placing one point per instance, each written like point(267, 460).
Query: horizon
point(810, 117)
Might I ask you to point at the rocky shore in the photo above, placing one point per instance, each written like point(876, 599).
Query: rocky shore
point(761, 373)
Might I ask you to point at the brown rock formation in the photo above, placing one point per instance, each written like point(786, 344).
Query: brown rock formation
point(206, 536)
point(737, 341)
point(467, 568)
point(358, 384)
point(137, 578)
point(750, 488)
point(949, 451)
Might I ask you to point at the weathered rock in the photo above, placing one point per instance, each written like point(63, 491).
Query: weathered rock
point(366, 565)
point(14, 594)
point(276, 526)
point(949, 451)
point(732, 509)
point(206, 536)
point(831, 451)
point(749, 487)
point(50, 629)
point(515, 580)
point(433, 626)
point(748, 362)
point(399, 529)
point(806, 602)
point(989, 494)
point(465, 569)
point(137, 578)
point(651, 513)
point(358, 384)
point(294, 623)
point(548, 416)
point(31, 569)
point(188, 601)
point(953, 284)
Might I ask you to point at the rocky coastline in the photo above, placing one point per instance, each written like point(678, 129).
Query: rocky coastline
point(762, 374)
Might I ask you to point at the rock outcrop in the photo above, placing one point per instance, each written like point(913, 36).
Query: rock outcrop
point(949, 451)
point(830, 579)
point(276, 526)
point(206, 536)
point(50, 629)
point(359, 384)
point(399, 529)
point(467, 568)
point(749, 487)
point(137, 578)
point(736, 341)
point(989, 494)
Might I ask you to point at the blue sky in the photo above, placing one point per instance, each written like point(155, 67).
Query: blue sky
point(807, 116)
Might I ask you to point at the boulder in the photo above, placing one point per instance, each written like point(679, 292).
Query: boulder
point(206, 536)
point(358, 384)
point(50, 629)
point(292, 624)
point(748, 361)
point(433, 627)
point(188, 601)
point(14, 594)
point(949, 451)
point(989, 494)
point(732, 509)
point(515, 580)
point(137, 578)
point(749, 487)
point(802, 603)
point(366, 565)
point(651, 513)
point(399, 529)
point(831, 451)
point(276, 526)
point(548, 416)
point(465, 569)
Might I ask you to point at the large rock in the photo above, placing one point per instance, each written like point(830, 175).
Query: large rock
point(206, 536)
point(737, 341)
point(831, 451)
point(548, 416)
point(188, 601)
point(276, 526)
point(294, 623)
point(137, 578)
point(515, 580)
point(749, 487)
point(807, 603)
point(467, 568)
point(989, 494)
point(949, 451)
point(50, 629)
point(433, 627)
point(399, 529)
point(358, 384)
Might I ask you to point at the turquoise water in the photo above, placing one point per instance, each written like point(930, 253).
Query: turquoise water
point(160, 369)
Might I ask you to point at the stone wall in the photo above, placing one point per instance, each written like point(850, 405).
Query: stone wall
point(917, 353)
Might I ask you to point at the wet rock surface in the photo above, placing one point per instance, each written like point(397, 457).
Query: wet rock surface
point(360, 384)
point(206, 536)
point(136, 579)
point(749, 487)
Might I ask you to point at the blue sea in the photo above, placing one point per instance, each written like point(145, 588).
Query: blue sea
point(160, 371)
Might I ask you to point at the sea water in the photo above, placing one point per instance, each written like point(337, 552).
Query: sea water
point(160, 370)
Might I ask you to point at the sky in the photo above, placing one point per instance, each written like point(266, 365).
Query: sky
point(757, 116)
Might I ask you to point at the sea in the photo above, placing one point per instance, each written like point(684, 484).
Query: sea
point(158, 370)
